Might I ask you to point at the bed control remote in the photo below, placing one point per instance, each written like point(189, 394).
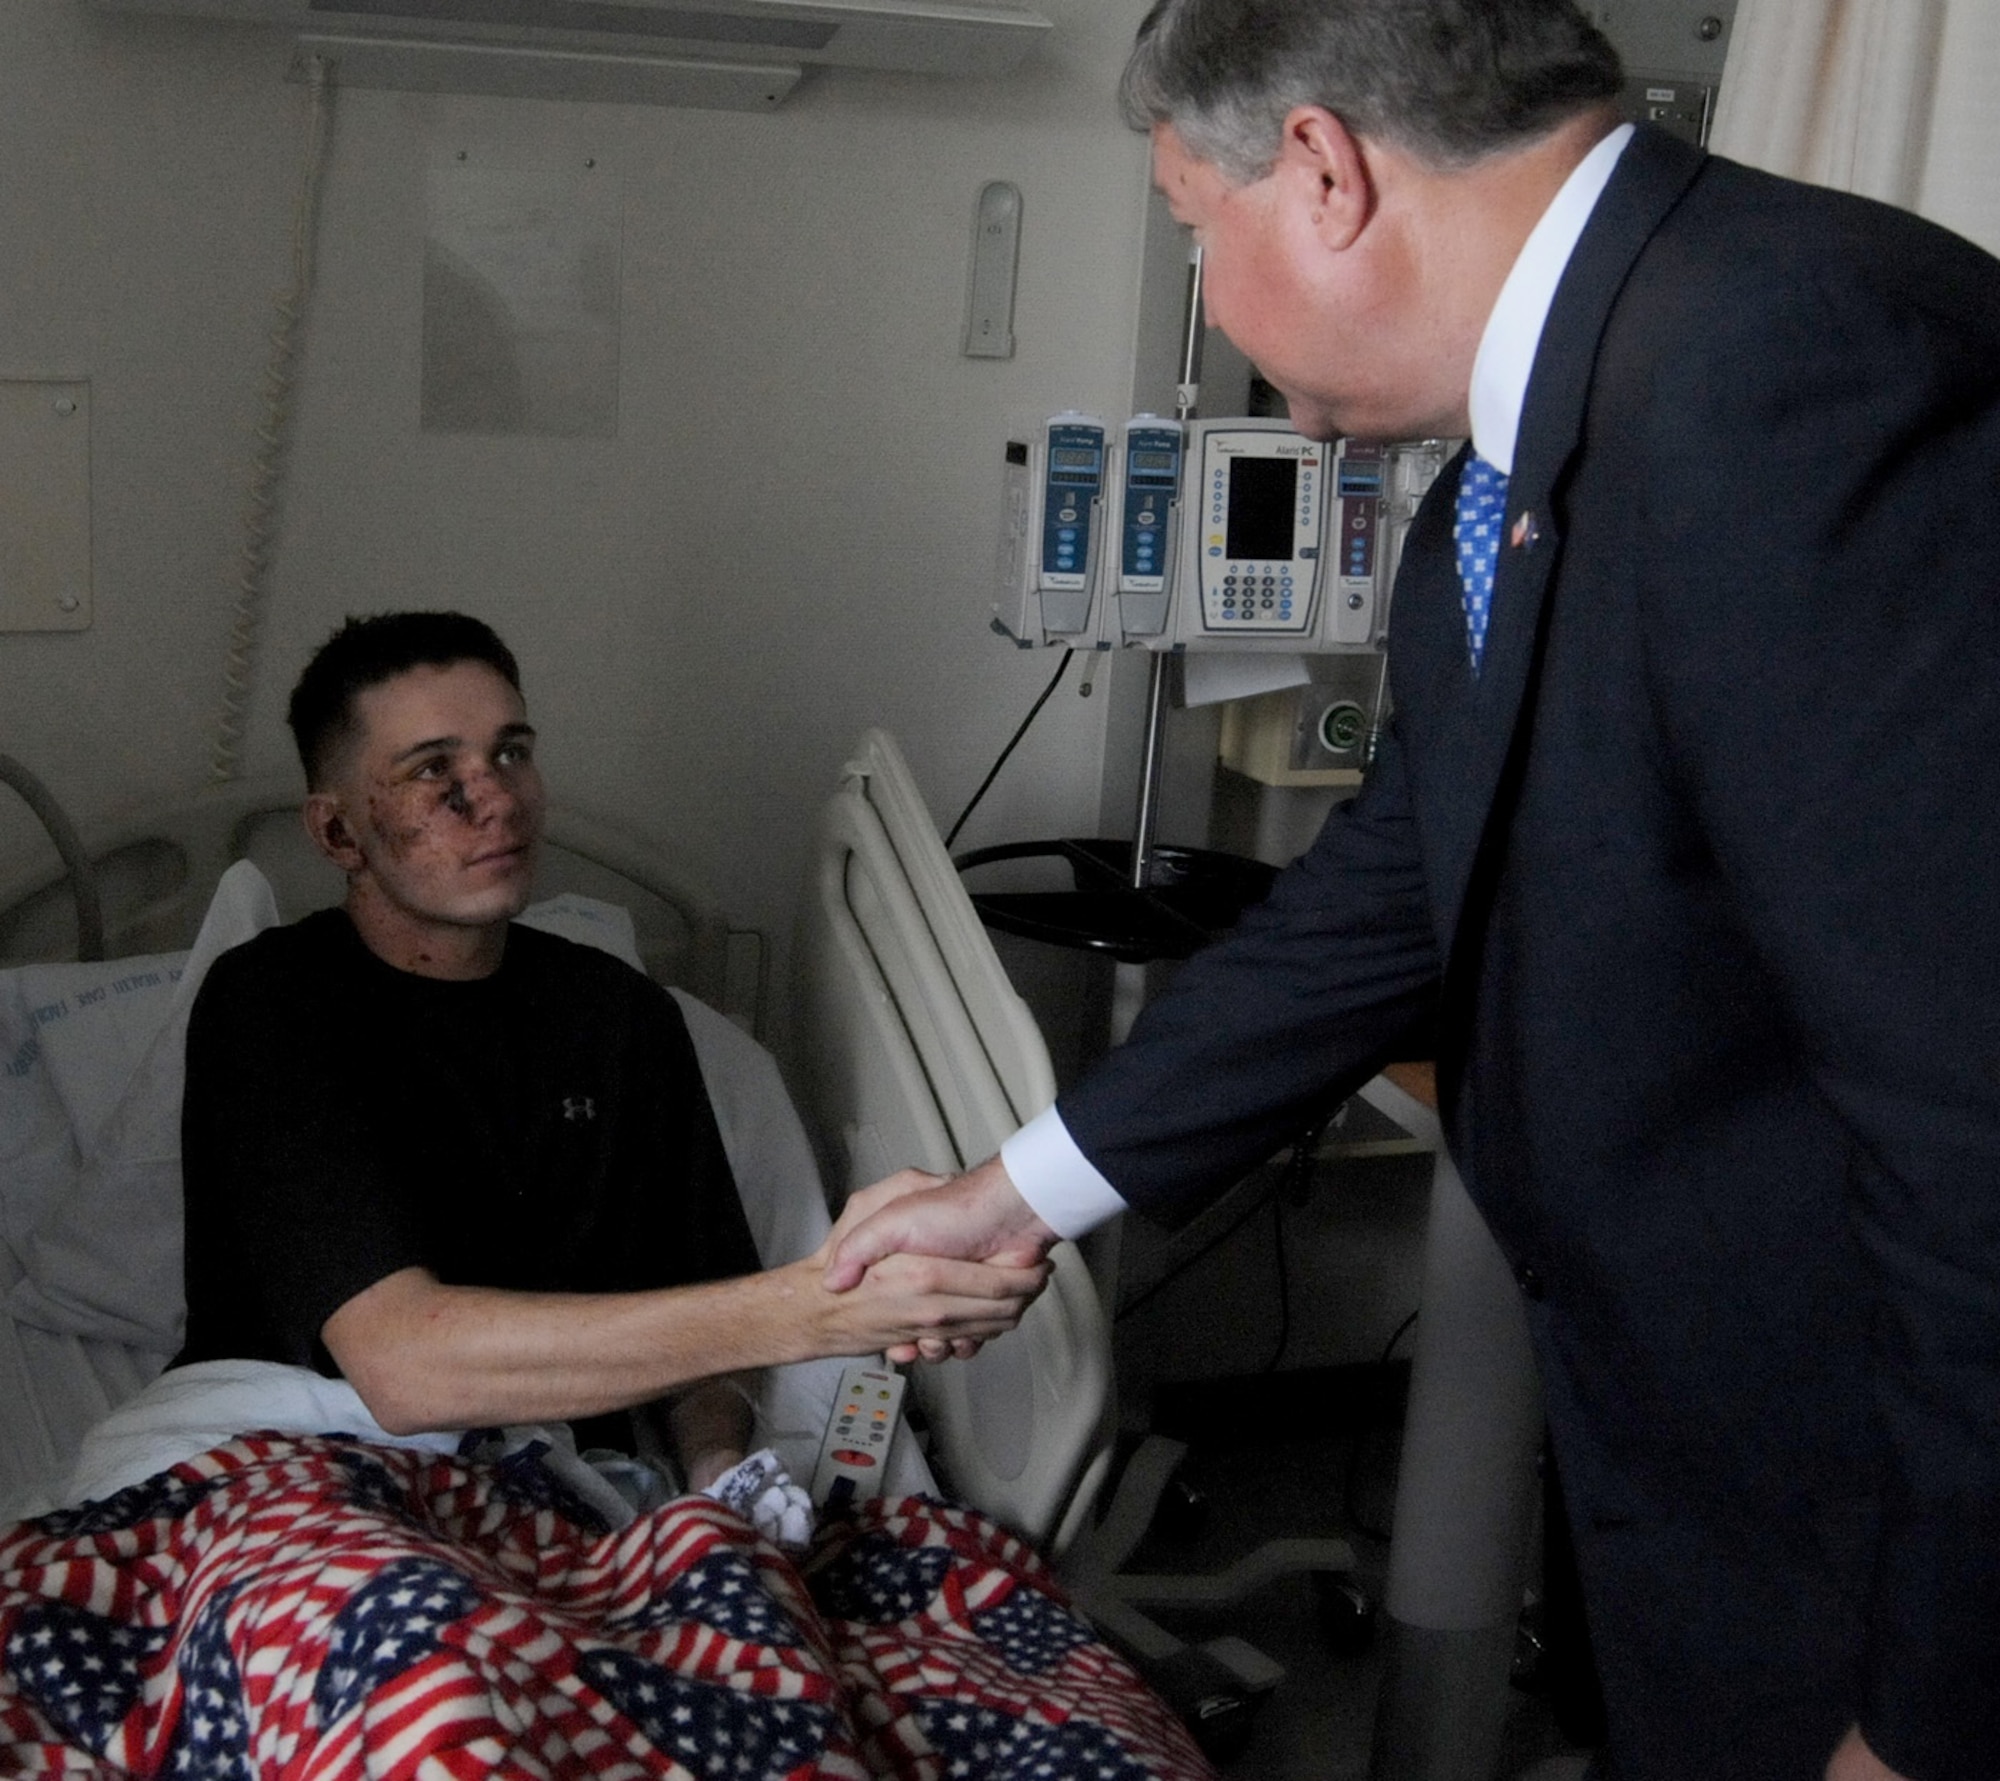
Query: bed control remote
point(855, 1453)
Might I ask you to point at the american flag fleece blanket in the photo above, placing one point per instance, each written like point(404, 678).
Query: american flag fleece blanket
point(316, 1607)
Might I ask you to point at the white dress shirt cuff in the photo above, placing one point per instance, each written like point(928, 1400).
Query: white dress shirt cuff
point(1060, 1184)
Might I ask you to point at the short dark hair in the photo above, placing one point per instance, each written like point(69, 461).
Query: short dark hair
point(1449, 81)
point(365, 652)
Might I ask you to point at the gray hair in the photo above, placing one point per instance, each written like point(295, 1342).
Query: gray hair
point(1449, 81)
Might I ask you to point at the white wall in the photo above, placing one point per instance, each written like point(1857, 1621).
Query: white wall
point(1958, 188)
point(791, 534)
point(139, 213)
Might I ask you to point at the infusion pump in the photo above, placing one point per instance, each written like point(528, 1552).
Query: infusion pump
point(1088, 512)
point(1205, 535)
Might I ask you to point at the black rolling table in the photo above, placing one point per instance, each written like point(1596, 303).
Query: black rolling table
point(1192, 895)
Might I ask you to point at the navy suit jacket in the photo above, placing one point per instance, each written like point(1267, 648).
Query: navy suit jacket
point(1698, 879)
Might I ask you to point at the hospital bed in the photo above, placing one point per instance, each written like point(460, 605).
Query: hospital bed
point(89, 1061)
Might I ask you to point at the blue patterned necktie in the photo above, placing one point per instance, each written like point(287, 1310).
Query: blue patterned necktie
point(1482, 508)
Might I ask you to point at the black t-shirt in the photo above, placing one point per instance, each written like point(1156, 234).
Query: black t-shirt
point(541, 1129)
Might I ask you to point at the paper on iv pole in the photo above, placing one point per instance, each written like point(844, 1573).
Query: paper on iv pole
point(1210, 676)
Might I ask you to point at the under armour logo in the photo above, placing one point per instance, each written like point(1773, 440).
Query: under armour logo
point(577, 1107)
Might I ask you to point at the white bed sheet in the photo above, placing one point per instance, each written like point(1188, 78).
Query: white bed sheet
point(53, 1388)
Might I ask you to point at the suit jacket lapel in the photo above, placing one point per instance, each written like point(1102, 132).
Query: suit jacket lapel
point(1461, 775)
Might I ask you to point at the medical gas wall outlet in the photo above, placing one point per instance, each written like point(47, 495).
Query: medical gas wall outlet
point(1052, 523)
point(1322, 733)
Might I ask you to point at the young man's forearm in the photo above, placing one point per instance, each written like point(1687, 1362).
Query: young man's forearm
point(428, 1356)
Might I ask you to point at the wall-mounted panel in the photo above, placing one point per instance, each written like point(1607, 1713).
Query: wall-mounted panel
point(44, 504)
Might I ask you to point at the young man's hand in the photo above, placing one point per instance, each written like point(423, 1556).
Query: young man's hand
point(910, 1304)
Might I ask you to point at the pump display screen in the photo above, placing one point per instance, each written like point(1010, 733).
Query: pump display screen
point(1156, 460)
point(1068, 460)
point(1262, 495)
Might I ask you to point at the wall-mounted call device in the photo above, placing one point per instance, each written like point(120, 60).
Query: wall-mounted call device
point(1051, 530)
point(1149, 506)
point(1252, 530)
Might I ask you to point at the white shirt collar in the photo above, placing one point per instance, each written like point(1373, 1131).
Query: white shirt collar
point(1514, 329)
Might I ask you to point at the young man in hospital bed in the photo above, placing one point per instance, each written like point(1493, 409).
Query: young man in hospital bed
point(445, 1174)
point(467, 1166)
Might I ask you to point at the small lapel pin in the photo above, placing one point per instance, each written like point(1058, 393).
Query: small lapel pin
point(1525, 531)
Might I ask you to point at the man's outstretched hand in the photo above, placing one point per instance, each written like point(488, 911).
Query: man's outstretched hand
point(977, 1216)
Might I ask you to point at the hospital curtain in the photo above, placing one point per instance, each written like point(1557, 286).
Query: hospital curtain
point(1889, 98)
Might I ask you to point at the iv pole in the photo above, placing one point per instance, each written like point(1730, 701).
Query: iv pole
point(1186, 395)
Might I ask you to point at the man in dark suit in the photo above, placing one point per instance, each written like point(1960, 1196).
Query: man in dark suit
point(1685, 837)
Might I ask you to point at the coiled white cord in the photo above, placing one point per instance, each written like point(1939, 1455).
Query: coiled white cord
point(267, 468)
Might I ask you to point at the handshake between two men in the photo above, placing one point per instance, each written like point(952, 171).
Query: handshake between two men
point(975, 1217)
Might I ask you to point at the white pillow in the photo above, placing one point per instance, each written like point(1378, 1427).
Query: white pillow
point(105, 1260)
point(69, 1038)
point(777, 1176)
point(589, 923)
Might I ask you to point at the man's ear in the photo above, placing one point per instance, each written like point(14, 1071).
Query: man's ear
point(1327, 169)
point(330, 832)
